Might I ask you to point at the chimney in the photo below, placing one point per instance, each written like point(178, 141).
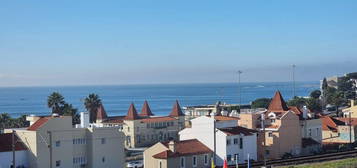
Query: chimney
point(172, 146)
point(352, 103)
point(304, 112)
point(84, 119)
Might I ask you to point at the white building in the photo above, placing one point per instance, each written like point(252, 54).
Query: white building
point(232, 141)
point(6, 154)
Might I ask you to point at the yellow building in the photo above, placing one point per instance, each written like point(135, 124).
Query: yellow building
point(145, 129)
point(351, 110)
point(52, 141)
point(178, 154)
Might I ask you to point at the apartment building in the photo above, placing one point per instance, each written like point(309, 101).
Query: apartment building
point(233, 142)
point(178, 154)
point(52, 141)
point(6, 154)
point(145, 129)
point(219, 108)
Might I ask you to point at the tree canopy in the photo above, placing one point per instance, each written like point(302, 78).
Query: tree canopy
point(261, 103)
point(92, 103)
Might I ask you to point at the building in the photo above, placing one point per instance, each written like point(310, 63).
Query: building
point(338, 130)
point(350, 111)
point(145, 129)
point(232, 141)
point(178, 154)
point(281, 133)
point(52, 141)
point(6, 153)
point(219, 108)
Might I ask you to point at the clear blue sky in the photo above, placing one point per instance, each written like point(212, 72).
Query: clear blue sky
point(121, 42)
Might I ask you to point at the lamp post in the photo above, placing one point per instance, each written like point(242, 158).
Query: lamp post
point(239, 88)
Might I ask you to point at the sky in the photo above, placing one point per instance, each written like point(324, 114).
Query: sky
point(44, 43)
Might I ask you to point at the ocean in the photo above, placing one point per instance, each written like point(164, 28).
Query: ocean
point(116, 99)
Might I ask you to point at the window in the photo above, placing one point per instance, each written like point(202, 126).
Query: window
point(236, 157)
point(58, 163)
point(310, 132)
point(74, 141)
point(103, 140)
point(317, 131)
point(270, 134)
point(228, 141)
point(182, 162)
point(128, 129)
point(147, 125)
point(206, 159)
point(194, 161)
point(241, 143)
point(229, 158)
point(160, 164)
point(235, 141)
point(272, 120)
point(58, 143)
point(103, 159)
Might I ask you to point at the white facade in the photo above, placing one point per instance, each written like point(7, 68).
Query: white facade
point(6, 159)
point(202, 129)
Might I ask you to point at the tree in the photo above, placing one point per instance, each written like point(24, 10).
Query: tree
point(297, 101)
point(313, 105)
point(4, 120)
point(324, 85)
point(69, 110)
point(55, 101)
point(91, 103)
point(261, 103)
point(315, 94)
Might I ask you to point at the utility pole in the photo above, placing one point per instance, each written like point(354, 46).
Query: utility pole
point(214, 141)
point(264, 143)
point(240, 92)
point(13, 149)
point(349, 115)
point(294, 93)
point(50, 146)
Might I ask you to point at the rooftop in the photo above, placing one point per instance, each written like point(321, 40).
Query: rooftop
point(184, 148)
point(237, 131)
point(6, 143)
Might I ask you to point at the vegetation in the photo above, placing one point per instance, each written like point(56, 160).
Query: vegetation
point(92, 102)
point(7, 122)
point(345, 163)
point(261, 103)
point(59, 106)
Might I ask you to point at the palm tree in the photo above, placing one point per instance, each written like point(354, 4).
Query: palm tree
point(55, 101)
point(91, 103)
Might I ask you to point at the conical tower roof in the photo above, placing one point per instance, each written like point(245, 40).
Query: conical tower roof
point(101, 114)
point(132, 114)
point(176, 110)
point(278, 104)
point(145, 111)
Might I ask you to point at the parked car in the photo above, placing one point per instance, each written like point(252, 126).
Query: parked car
point(135, 164)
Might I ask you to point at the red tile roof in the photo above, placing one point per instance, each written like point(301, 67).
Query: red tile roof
point(132, 114)
point(157, 119)
point(347, 121)
point(225, 118)
point(237, 130)
point(277, 104)
point(101, 114)
point(39, 123)
point(114, 119)
point(6, 143)
point(330, 124)
point(145, 111)
point(184, 148)
point(176, 110)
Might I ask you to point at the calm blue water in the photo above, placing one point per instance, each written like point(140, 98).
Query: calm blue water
point(116, 99)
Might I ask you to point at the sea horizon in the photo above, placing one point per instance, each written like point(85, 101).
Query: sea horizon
point(116, 98)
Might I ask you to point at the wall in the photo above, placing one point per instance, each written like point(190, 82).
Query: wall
point(6, 159)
